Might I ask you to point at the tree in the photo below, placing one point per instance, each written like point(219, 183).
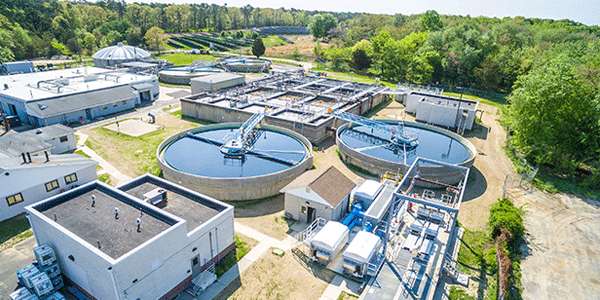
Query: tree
point(258, 47)
point(156, 38)
point(361, 55)
point(554, 116)
point(430, 21)
point(321, 24)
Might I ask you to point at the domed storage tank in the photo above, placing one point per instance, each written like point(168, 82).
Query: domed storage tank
point(371, 150)
point(118, 54)
point(194, 159)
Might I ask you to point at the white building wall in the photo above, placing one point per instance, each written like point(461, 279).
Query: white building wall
point(158, 265)
point(59, 147)
point(87, 269)
point(37, 191)
point(293, 208)
point(412, 103)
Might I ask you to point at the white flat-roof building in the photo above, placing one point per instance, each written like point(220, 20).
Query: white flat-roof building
point(34, 176)
point(441, 110)
point(73, 95)
point(146, 239)
point(60, 139)
point(215, 82)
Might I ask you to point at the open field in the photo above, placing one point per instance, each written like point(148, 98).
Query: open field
point(135, 155)
point(274, 277)
point(180, 59)
point(301, 48)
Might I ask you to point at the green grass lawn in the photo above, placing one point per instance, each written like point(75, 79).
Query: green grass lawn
point(497, 103)
point(104, 178)
point(351, 76)
point(180, 59)
point(242, 247)
point(477, 257)
point(13, 231)
point(273, 41)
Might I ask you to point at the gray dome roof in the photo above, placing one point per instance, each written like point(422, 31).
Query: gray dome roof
point(121, 52)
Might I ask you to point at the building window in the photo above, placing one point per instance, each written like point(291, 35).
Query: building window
point(51, 186)
point(71, 178)
point(14, 199)
point(63, 138)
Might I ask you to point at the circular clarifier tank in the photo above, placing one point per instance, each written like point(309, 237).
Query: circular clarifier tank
point(371, 150)
point(183, 75)
point(194, 159)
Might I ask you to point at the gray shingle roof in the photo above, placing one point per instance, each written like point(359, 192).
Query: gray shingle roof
point(332, 185)
point(76, 102)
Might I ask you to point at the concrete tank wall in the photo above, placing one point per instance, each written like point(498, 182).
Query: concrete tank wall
point(380, 166)
point(235, 189)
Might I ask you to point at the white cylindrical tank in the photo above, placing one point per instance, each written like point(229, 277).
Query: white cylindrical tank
point(359, 252)
point(328, 242)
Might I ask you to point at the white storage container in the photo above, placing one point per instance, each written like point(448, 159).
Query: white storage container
point(327, 243)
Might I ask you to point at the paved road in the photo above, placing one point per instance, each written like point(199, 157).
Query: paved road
point(12, 259)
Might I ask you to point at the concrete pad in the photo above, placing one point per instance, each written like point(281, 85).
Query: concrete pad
point(132, 127)
point(12, 259)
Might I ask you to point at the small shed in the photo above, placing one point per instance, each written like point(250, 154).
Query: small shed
point(215, 82)
point(327, 196)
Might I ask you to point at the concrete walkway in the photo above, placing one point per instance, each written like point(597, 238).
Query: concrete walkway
point(106, 166)
point(338, 285)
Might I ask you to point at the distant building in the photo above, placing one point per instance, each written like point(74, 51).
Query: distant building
point(215, 82)
point(59, 138)
point(16, 67)
point(119, 54)
point(144, 240)
point(327, 197)
point(441, 110)
point(36, 175)
point(73, 95)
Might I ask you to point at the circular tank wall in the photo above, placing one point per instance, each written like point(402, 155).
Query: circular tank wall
point(245, 65)
point(361, 147)
point(193, 159)
point(183, 75)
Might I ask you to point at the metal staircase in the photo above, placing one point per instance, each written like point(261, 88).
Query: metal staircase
point(243, 139)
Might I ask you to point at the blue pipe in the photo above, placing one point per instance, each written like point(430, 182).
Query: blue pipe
point(354, 217)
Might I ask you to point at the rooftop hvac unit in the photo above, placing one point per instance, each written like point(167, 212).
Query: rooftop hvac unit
point(52, 270)
point(56, 296)
point(57, 282)
point(44, 254)
point(42, 285)
point(22, 294)
point(156, 197)
point(25, 274)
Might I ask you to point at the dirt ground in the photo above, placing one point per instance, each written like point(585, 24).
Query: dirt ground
point(562, 259)
point(264, 215)
point(274, 277)
point(303, 43)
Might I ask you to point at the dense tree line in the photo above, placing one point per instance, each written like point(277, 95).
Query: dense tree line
point(549, 68)
point(33, 28)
